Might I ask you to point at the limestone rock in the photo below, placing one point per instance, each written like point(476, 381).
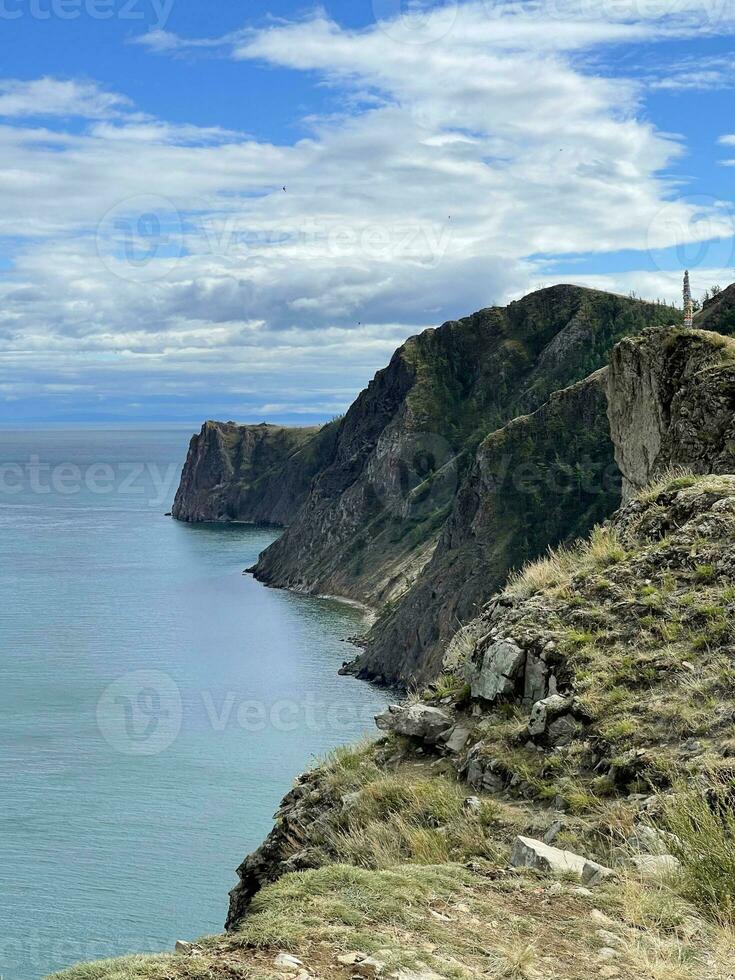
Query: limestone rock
point(530, 853)
point(498, 670)
point(415, 721)
point(654, 866)
point(545, 711)
point(457, 738)
point(285, 961)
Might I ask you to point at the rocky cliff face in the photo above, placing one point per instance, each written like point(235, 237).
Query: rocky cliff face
point(671, 401)
point(538, 480)
point(374, 515)
point(254, 473)
point(667, 399)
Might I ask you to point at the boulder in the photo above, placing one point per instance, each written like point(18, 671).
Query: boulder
point(535, 682)
point(562, 731)
point(285, 961)
point(530, 853)
point(546, 711)
point(415, 721)
point(653, 866)
point(498, 672)
point(350, 959)
point(456, 739)
point(184, 948)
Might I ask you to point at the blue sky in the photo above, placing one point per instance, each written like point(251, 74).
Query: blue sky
point(435, 159)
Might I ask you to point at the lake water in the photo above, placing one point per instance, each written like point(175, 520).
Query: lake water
point(155, 704)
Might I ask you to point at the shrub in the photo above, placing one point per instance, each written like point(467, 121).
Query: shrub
point(702, 823)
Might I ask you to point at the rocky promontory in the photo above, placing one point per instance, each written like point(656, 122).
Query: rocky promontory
point(251, 473)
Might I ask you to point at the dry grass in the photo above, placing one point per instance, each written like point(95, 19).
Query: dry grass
point(600, 551)
point(702, 822)
point(398, 819)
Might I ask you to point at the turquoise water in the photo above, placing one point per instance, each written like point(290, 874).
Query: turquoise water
point(155, 703)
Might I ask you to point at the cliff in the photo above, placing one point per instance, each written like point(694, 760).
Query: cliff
point(671, 401)
point(375, 513)
point(538, 480)
point(667, 399)
point(253, 473)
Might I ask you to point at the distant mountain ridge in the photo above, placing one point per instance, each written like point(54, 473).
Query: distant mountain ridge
point(367, 499)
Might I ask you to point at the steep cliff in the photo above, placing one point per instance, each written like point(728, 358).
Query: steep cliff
point(254, 473)
point(540, 479)
point(671, 402)
point(373, 516)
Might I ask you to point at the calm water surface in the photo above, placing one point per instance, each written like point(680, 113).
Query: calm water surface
point(155, 703)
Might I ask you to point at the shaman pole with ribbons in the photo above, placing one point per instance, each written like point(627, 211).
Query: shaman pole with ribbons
point(688, 304)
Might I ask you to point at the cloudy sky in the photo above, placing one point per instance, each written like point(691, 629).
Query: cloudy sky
point(211, 208)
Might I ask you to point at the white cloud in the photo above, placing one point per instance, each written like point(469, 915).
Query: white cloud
point(57, 97)
point(170, 255)
point(695, 74)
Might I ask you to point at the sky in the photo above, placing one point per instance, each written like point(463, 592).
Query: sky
point(218, 209)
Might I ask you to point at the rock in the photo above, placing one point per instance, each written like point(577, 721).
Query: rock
point(216, 482)
point(285, 961)
point(498, 671)
point(415, 721)
point(530, 853)
point(349, 959)
point(545, 711)
point(350, 800)
point(553, 832)
point(562, 731)
point(670, 403)
point(183, 947)
point(646, 840)
point(370, 967)
point(653, 866)
point(457, 738)
point(535, 680)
